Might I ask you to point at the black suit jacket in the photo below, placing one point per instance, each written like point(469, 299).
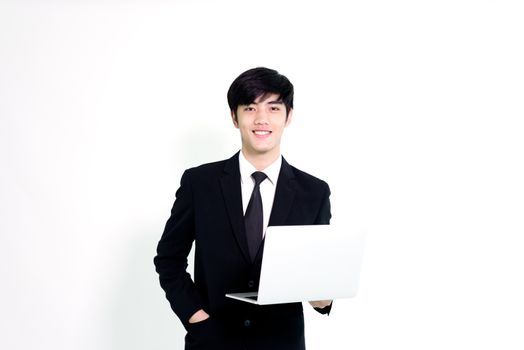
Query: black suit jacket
point(208, 210)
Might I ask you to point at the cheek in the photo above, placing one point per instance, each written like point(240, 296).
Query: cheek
point(281, 127)
point(245, 130)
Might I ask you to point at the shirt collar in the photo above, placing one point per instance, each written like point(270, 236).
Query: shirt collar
point(246, 169)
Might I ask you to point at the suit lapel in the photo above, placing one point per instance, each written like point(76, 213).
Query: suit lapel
point(284, 195)
point(282, 204)
point(231, 190)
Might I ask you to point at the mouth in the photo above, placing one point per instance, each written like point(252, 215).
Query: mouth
point(262, 132)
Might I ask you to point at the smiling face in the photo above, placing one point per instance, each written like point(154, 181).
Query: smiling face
point(261, 126)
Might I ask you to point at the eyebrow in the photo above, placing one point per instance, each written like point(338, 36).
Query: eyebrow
point(278, 102)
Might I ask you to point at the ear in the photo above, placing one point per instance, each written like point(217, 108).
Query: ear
point(289, 117)
point(234, 118)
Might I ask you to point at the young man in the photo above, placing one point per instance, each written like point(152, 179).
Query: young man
point(225, 207)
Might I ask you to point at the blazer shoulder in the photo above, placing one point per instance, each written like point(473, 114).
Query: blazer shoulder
point(207, 168)
point(308, 179)
point(213, 169)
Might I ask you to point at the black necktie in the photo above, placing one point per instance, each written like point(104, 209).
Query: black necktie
point(254, 216)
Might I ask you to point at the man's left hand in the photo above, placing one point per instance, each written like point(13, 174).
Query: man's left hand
point(321, 303)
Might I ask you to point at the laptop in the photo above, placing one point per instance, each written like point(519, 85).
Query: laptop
point(307, 263)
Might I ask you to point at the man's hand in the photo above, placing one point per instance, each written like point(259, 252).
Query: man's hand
point(199, 316)
point(321, 303)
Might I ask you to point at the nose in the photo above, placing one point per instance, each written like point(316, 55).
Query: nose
point(261, 117)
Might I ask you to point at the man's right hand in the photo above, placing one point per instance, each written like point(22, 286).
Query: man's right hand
point(199, 316)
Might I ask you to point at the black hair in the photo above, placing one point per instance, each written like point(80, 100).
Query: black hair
point(256, 82)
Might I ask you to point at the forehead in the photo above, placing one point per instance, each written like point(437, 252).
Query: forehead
point(268, 97)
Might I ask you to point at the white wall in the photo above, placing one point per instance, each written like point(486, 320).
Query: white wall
point(419, 107)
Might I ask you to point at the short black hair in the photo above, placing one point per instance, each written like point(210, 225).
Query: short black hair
point(256, 82)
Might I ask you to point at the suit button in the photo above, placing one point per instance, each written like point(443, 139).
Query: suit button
point(251, 284)
point(247, 323)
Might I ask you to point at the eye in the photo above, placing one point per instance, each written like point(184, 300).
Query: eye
point(275, 108)
point(249, 109)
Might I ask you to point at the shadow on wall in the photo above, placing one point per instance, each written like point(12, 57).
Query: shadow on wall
point(204, 144)
point(139, 314)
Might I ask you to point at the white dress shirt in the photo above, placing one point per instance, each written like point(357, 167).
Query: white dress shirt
point(267, 187)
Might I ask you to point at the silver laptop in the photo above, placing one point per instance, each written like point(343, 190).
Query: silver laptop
point(306, 263)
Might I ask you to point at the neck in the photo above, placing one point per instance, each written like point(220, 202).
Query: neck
point(261, 161)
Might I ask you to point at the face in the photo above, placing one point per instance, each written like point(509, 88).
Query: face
point(261, 125)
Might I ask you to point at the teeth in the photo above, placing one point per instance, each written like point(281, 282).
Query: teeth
point(262, 132)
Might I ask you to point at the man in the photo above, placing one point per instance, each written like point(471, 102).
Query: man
point(225, 207)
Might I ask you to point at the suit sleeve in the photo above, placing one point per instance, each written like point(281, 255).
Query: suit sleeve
point(323, 218)
point(172, 252)
point(324, 213)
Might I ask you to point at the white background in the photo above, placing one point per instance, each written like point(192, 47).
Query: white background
point(411, 110)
